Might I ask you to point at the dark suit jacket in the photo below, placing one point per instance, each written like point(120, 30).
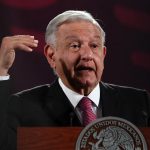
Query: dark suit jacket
point(4, 93)
point(47, 105)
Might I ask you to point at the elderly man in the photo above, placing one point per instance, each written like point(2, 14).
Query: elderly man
point(75, 50)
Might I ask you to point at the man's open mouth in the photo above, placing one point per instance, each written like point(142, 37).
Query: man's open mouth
point(84, 68)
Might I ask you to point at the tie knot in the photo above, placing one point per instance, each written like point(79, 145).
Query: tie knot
point(85, 103)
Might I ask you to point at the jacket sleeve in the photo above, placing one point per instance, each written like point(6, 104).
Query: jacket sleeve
point(4, 96)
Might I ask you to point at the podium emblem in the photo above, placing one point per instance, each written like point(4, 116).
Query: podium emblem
point(111, 133)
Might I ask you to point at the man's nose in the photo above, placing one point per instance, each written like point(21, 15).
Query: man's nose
point(86, 53)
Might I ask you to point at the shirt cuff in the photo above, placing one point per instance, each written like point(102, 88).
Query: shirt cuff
point(2, 78)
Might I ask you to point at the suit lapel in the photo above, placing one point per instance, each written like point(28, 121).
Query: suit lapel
point(59, 107)
point(108, 100)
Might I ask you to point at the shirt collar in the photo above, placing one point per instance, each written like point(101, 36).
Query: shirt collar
point(76, 97)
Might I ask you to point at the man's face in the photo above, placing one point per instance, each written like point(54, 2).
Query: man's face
point(79, 56)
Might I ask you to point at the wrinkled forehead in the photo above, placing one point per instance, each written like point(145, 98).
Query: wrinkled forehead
point(80, 27)
point(78, 21)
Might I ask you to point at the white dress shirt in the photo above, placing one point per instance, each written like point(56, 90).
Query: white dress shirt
point(2, 78)
point(74, 98)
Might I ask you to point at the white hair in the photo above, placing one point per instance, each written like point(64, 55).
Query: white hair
point(66, 17)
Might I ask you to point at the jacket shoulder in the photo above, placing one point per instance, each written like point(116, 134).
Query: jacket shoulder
point(34, 93)
point(119, 88)
point(125, 92)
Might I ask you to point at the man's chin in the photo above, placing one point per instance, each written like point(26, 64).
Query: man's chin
point(85, 83)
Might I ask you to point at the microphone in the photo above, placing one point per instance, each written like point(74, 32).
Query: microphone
point(145, 116)
point(71, 118)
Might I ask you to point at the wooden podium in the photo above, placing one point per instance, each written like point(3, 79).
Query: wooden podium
point(55, 138)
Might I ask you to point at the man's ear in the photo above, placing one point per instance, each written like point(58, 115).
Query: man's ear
point(49, 53)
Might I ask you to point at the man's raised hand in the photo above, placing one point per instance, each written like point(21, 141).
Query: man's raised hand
point(8, 47)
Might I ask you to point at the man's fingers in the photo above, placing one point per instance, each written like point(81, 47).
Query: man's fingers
point(33, 43)
point(24, 38)
point(25, 48)
point(24, 42)
point(27, 45)
point(21, 42)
